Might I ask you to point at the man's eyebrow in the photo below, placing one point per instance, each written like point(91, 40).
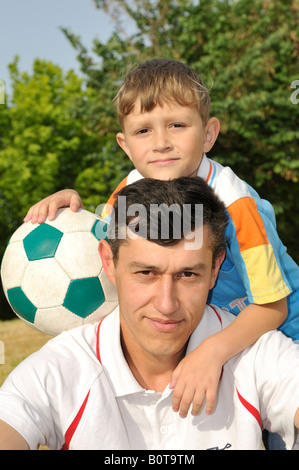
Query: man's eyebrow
point(150, 267)
point(141, 265)
point(195, 267)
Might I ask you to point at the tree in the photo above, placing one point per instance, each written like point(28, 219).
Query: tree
point(43, 146)
point(60, 131)
point(49, 143)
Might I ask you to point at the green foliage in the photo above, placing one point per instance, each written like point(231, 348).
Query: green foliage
point(59, 131)
point(247, 53)
point(42, 139)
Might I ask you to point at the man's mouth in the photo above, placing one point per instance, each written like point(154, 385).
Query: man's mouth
point(166, 326)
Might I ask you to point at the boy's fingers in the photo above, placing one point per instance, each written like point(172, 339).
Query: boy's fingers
point(211, 401)
point(37, 213)
point(42, 212)
point(177, 397)
point(175, 376)
point(76, 203)
point(186, 402)
point(28, 215)
point(182, 399)
point(37, 216)
point(197, 403)
point(48, 207)
point(52, 209)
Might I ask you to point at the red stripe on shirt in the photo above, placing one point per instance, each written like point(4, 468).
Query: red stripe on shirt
point(250, 408)
point(98, 341)
point(210, 172)
point(71, 430)
point(218, 316)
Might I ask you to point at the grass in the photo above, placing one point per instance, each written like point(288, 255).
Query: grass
point(20, 340)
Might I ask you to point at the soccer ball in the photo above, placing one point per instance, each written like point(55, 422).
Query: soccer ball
point(52, 273)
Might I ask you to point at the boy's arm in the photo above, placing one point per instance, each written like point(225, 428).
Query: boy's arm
point(253, 321)
point(10, 439)
point(197, 375)
point(47, 208)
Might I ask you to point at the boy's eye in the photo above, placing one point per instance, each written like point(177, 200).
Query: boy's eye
point(142, 131)
point(177, 124)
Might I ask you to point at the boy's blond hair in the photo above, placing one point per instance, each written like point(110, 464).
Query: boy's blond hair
point(158, 81)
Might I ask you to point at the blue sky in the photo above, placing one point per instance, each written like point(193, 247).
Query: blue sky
point(30, 29)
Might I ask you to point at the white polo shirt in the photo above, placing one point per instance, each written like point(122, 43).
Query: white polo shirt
point(78, 392)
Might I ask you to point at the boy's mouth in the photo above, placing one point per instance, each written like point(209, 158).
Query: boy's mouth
point(164, 161)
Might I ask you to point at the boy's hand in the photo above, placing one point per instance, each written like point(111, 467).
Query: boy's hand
point(48, 207)
point(196, 378)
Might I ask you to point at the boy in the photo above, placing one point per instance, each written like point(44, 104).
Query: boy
point(163, 108)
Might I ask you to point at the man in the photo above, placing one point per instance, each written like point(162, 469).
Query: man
point(106, 386)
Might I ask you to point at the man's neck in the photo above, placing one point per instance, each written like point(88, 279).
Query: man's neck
point(151, 372)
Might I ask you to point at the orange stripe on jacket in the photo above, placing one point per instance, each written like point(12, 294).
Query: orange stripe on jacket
point(250, 230)
point(265, 279)
point(108, 207)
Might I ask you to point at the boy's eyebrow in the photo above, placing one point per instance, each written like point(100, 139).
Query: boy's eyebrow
point(145, 121)
point(139, 123)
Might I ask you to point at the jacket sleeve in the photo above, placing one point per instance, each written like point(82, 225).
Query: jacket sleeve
point(106, 214)
point(257, 251)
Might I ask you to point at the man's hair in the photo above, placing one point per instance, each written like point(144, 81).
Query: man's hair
point(176, 194)
point(158, 81)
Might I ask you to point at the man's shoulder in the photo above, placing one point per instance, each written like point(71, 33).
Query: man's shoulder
point(76, 339)
point(214, 319)
point(66, 358)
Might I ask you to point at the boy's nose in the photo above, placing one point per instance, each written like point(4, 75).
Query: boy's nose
point(161, 141)
point(166, 300)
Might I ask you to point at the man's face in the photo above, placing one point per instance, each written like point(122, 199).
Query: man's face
point(167, 142)
point(162, 294)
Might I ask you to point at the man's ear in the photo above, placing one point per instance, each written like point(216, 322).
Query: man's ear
point(107, 259)
point(218, 262)
point(211, 132)
point(121, 140)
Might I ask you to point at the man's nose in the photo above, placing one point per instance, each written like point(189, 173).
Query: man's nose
point(166, 298)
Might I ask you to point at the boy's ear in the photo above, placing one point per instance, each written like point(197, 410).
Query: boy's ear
point(107, 259)
point(211, 132)
point(121, 140)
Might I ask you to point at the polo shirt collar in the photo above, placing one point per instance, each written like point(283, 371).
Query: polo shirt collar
point(204, 168)
point(118, 373)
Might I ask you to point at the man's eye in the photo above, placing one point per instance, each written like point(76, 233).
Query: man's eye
point(188, 274)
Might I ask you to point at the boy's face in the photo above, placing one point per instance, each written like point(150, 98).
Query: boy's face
point(167, 142)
